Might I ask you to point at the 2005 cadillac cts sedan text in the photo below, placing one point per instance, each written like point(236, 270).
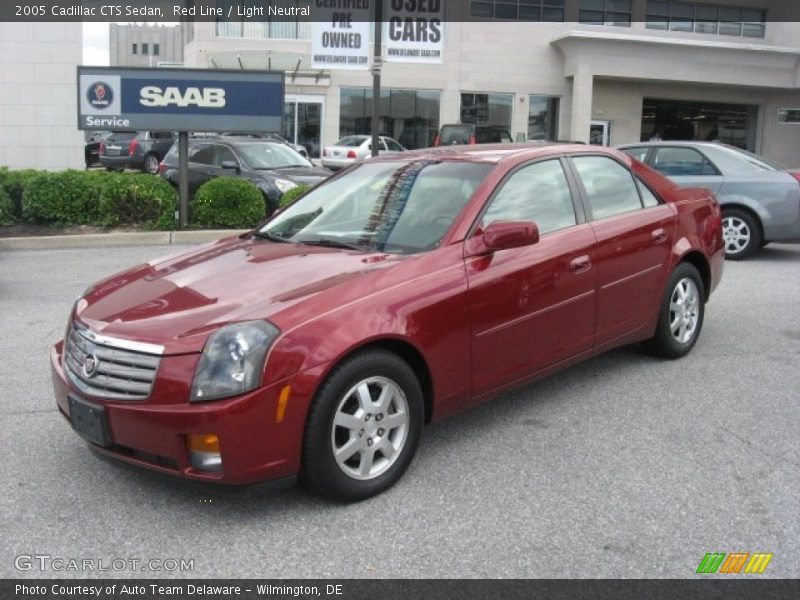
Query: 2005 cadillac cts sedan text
point(395, 293)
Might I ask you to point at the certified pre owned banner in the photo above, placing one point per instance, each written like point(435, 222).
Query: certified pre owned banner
point(179, 99)
point(340, 36)
point(414, 31)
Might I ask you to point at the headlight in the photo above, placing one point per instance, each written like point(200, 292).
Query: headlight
point(233, 360)
point(284, 185)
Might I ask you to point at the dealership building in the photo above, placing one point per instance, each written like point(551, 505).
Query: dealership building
point(600, 71)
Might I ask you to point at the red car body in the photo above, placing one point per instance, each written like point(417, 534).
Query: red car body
point(470, 324)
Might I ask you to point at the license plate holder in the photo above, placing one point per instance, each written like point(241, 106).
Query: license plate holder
point(89, 421)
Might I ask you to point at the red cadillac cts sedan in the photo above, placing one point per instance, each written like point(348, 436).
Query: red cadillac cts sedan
point(395, 293)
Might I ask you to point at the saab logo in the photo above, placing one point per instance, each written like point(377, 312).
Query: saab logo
point(717, 561)
point(100, 94)
point(153, 95)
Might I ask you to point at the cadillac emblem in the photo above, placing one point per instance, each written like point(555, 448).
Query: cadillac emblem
point(90, 365)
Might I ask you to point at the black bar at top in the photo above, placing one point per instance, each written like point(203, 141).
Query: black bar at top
point(170, 11)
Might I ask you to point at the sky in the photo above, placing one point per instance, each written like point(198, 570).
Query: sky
point(95, 44)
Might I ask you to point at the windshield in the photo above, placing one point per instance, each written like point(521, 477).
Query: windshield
point(395, 207)
point(270, 156)
point(352, 141)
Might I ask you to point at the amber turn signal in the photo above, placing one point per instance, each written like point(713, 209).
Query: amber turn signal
point(202, 442)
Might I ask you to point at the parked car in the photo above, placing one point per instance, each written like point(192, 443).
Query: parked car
point(131, 150)
point(760, 199)
point(353, 148)
point(464, 133)
point(91, 151)
point(405, 289)
point(272, 166)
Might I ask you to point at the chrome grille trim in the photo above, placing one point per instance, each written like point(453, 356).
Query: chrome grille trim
point(121, 373)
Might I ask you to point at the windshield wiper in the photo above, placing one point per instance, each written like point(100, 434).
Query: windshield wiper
point(266, 235)
point(331, 243)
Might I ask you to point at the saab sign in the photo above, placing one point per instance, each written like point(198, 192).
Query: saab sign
point(179, 99)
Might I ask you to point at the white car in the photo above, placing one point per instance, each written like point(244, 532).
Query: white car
point(353, 148)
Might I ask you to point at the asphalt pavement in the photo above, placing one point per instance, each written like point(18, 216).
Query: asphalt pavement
point(623, 466)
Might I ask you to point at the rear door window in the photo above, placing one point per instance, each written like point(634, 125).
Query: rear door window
point(676, 162)
point(609, 186)
point(392, 145)
point(203, 155)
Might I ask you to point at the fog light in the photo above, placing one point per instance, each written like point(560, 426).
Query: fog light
point(204, 452)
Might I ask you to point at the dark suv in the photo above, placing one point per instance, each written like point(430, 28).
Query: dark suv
point(136, 150)
point(465, 133)
point(273, 167)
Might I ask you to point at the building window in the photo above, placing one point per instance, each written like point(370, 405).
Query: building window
point(519, 10)
point(698, 17)
point(409, 116)
point(734, 124)
point(487, 109)
point(542, 118)
point(789, 115)
point(284, 28)
point(605, 12)
point(135, 49)
point(156, 49)
point(145, 49)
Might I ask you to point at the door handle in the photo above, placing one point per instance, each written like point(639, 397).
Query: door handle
point(580, 264)
point(659, 235)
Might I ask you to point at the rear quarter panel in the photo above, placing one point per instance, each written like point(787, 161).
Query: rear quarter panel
point(698, 228)
point(774, 196)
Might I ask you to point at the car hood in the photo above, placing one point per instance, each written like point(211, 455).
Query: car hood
point(299, 175)
point(177, 301)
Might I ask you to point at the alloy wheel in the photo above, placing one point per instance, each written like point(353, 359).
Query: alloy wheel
point(684, 310)
point(736, 234)
point(370, 428)
point(151, 164)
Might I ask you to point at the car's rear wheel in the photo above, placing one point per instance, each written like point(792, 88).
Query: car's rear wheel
point(681, 315)
point(363, 427)
point(150, 164)
point(741, 234)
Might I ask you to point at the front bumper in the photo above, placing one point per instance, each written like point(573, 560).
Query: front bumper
point(255, 448)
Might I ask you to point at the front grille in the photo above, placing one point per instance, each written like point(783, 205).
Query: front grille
point(118, 374)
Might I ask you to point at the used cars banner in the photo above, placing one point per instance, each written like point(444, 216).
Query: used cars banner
point(414, 31)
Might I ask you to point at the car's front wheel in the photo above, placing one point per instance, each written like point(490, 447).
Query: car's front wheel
point(741, 234)
point(363, 427)
point(681, 314)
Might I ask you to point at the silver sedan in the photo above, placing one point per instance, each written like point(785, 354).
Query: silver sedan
point(760, 199)
point(353, 148)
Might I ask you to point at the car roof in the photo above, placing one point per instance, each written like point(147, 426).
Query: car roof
point(689, 143)
point(495, 153)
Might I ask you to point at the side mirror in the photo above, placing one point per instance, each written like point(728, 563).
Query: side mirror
point(504, 235)
point(230, 164)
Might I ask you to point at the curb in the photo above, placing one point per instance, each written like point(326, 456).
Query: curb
point(102, 240)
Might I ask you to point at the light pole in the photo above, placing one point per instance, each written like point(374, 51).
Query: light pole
point(376, 76)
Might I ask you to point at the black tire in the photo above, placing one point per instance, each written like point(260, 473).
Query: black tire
point(150, 164)
point(736, 225)
point(320, 471)
point(665, 343)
